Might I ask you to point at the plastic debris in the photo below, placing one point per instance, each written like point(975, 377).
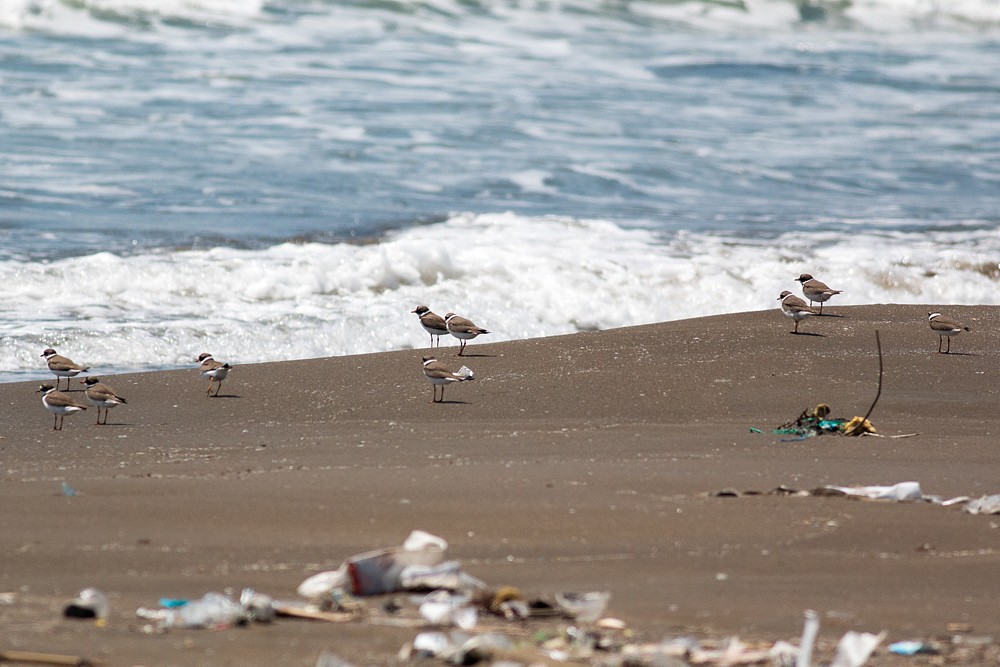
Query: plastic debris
point(68, 490)
point(984, 505)
point(445, 608)
point(89, 603)
point(583, 607)
point(323, 584)
point(809, 632)
point(418, 564)
point(857, 426)
point(912, 647)
point(901, 491)
point(458, 648)
point(463, 616)
point(816, 421)
point(855, 648)
point(214, 611)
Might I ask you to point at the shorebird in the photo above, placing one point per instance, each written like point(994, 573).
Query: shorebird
point(439, 376)
point(795, 308)
point(432, 323)
point(944, 327)
point(59, 404)
point(102, 396)
point(62, 367)
point(462, 329)
point(816, 291)
point(214, 370)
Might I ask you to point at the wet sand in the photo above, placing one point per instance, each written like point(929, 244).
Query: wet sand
point(582, 462)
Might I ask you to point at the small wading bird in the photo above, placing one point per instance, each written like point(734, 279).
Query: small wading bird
point(62, 367)
point(439, 376)
point(432, 323)
point(102, 396)
point(816, 291)
point(59, 404)
point(795, 308)
point(215, 371)
point(945, 328)
point(462, 329)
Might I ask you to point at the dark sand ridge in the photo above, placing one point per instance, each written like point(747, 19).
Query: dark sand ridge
point(577, 462)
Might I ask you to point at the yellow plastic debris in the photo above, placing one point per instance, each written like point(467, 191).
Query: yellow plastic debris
point(858, 426)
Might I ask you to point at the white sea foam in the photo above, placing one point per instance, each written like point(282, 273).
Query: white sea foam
point(517, 276)
point(107, 18)
point(91, 17)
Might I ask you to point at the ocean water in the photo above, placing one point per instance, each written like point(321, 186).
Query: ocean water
point(281, 179)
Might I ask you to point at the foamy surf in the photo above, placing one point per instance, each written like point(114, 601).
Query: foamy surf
point(517, 276)
point(97, 17)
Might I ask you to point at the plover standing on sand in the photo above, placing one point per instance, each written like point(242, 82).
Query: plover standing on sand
point(62, 367)
point(439, 376)
point(432, 323)
point(816, 291)
point(215, 371)
point(795, 308)
point(102, 396)
point(945, 327)
point(59, 404)
point(462, 329)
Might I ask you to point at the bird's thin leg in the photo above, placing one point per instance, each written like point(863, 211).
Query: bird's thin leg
point(820, 307)
point(218, 387)
point(948, 351)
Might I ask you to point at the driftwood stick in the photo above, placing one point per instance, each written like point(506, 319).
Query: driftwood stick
point(878, 344)
point(44, 658)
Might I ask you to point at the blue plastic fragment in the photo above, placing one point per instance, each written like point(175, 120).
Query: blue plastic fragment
point(910, 647)
point(172, 603)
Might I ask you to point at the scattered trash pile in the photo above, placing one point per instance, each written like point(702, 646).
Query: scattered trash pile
point(817, 421)
point(461, 620)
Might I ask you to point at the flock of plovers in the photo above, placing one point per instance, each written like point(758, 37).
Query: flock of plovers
point(461, 328)
point(818, 292)
point(101, 396)
point(98, 394)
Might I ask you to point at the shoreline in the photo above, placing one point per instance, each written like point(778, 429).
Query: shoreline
point(577, 462)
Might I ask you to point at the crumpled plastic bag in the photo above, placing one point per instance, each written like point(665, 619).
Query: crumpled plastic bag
point(901, 491)
point(418, 564)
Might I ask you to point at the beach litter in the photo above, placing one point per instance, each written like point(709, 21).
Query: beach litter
point(583, 607)
point(816, 421)
point(214, 611)
point(899, 492)
point(418, 564)
point(984, 505)
point(461, 620)
point(911, 647)
point(89, 603)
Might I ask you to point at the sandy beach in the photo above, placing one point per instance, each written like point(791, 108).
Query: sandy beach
point(582, 462)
